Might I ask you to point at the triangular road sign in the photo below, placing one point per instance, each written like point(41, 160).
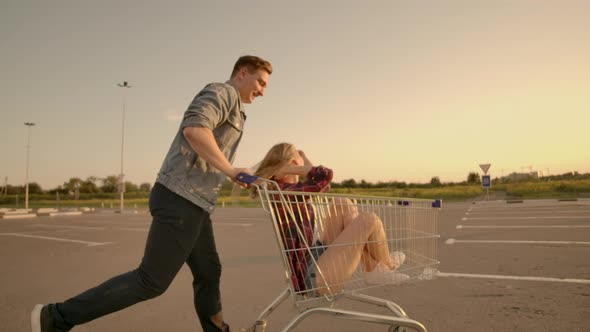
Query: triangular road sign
point(485, 167)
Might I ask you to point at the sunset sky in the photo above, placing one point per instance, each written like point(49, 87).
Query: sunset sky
point(376, 90)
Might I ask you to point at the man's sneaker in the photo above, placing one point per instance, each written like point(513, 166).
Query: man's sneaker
point(41, 320)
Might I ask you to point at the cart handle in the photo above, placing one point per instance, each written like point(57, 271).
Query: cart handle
point(246, 178)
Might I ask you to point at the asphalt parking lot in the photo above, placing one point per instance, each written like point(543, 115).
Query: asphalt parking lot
point(504, 267)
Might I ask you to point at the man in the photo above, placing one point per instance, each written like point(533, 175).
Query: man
point(198, 162)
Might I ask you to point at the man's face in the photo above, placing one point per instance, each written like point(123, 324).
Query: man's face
point(251, 85)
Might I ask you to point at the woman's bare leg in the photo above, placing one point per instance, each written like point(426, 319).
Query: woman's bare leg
point(377, 247)
point(341, 214)
point(368, 261)
point(343, 255)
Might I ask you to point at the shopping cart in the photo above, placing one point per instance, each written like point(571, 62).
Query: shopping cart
point(410, 227)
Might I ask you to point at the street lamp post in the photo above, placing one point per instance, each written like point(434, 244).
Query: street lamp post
point(29, 125)
point(122, 175)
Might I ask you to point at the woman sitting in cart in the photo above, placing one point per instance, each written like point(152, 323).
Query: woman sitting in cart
point(346, 238)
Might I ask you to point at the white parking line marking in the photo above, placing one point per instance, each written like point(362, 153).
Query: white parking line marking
point(133, 229)
point(88, 243)
point(118, 223)
point(536, 210)
point(504, 277)
point(522, 226)
point(67, 226)
point(523, 218)
point(453, 241)
point(540, 211)
point(137, 229)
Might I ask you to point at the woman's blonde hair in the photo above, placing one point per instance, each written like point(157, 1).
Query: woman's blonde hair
point(276, 158)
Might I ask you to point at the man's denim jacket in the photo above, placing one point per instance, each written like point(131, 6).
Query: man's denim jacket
point(219, 108)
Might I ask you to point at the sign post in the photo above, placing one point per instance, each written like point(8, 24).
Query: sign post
point(486, 180)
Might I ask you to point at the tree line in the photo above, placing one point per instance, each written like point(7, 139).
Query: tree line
point(472, 178)
point(110, 184)
point(92, 185)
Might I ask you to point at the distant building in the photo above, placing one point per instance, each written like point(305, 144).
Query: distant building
point(521, 176)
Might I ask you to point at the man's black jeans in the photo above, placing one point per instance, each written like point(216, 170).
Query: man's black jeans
point(180, 232)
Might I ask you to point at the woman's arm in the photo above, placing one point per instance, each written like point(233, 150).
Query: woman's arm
point(306, 161)
point(318, 179)
point(293, 170)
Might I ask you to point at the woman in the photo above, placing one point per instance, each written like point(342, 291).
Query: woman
point(347, 236)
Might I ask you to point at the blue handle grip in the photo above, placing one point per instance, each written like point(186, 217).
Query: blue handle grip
point(246, 178)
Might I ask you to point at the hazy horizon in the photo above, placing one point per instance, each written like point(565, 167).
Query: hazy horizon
point(358, 181)
point(383, 91)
